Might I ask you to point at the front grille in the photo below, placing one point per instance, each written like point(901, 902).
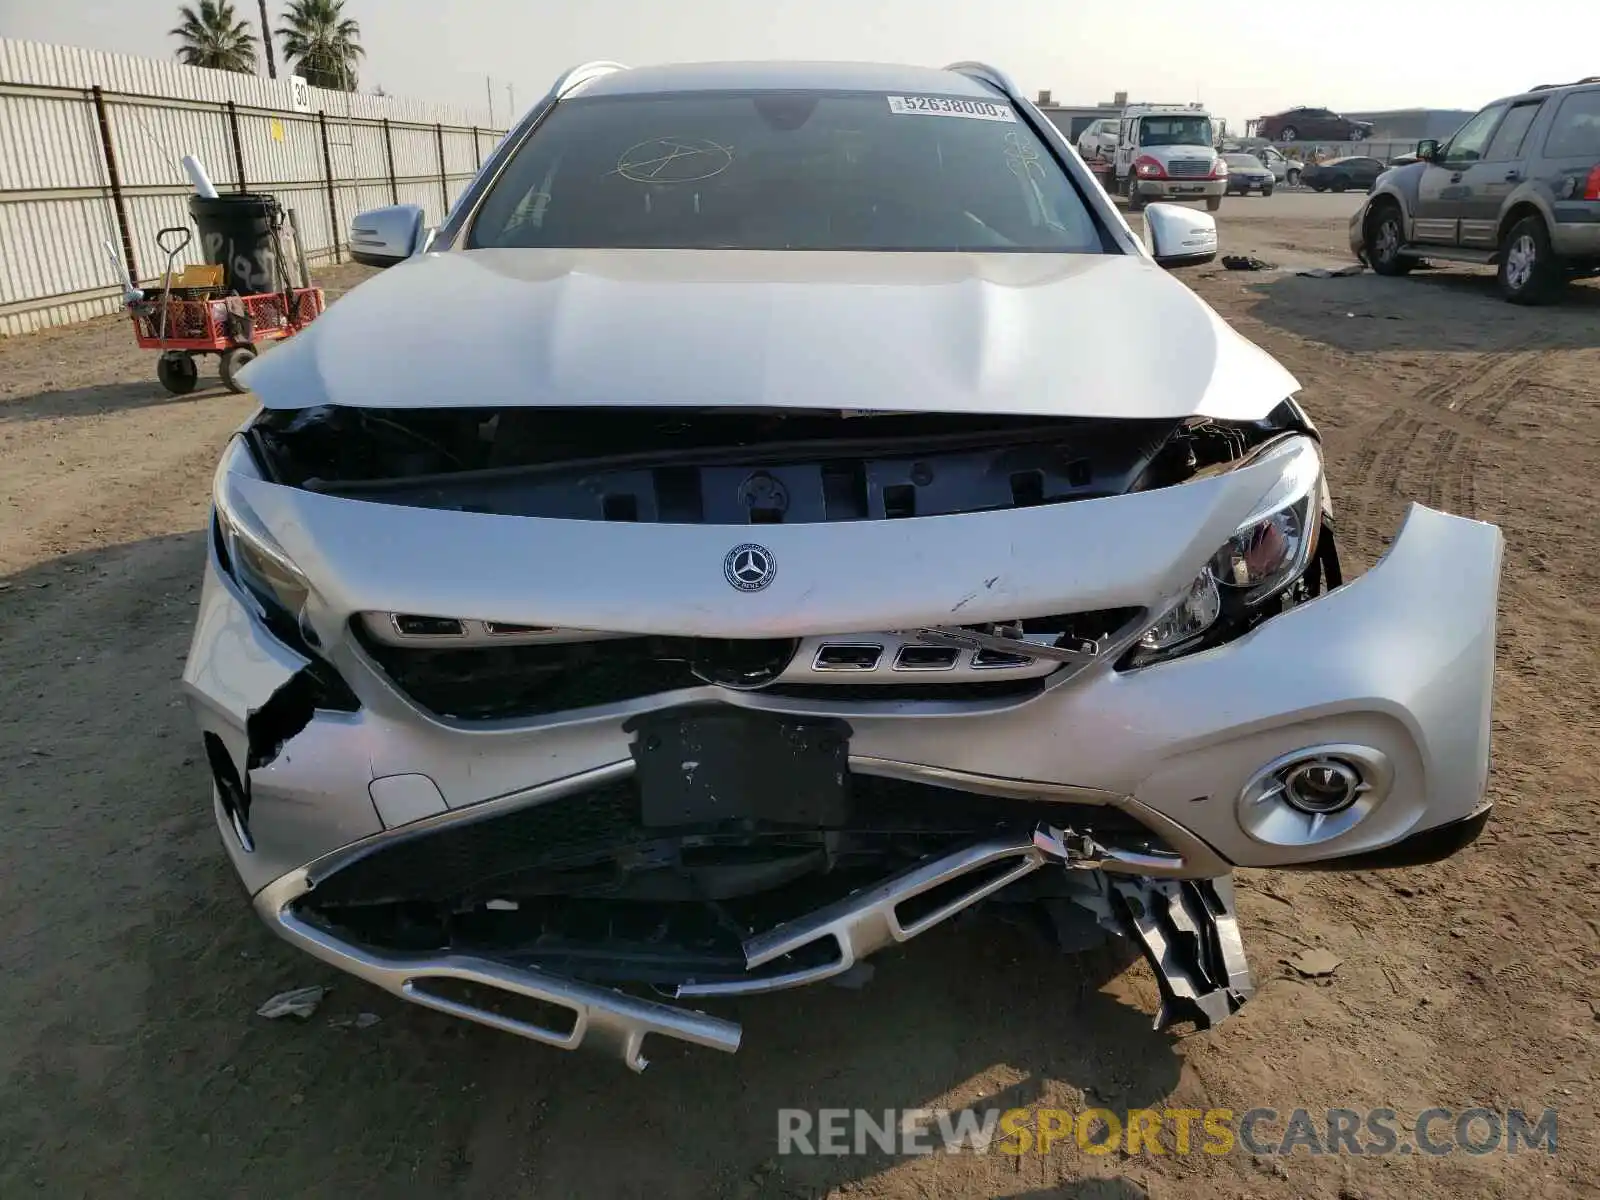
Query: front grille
point(1188, 168)
point(480, 682)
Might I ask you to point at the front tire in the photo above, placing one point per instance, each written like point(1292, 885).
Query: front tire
point(1340, 183)
point(1266, 191)
point(1292, 178)
point(1385, 234)
point(1213, 203)
point(1529, 271)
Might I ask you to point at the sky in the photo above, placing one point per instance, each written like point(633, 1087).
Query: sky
point(1242, 58)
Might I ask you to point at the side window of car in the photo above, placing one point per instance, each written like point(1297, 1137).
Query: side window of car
point(1507, 143)
point(1575, 133)
point(1472, 139)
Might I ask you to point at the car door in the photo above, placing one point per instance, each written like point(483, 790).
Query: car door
point(1437, 217)
point(1488, 182)
point(1126, 137)
point(1565, 160)
point(1318, 123)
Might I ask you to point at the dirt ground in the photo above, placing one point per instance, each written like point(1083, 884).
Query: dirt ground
point(133, 1063)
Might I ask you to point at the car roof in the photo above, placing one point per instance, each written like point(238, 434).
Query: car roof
point(786, 76)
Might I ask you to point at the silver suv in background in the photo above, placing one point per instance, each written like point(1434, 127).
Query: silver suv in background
point(1517, 187)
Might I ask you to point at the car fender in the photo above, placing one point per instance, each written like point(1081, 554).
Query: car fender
point(1530, 192)
point(1400, 184)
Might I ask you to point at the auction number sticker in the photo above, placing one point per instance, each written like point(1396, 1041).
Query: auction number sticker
point(941, 106)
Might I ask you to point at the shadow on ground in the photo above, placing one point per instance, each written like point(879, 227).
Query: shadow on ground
point(1429, 310)
point(99, 400)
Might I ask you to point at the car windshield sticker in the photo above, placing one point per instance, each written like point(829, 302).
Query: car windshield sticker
point(943, 106)
point(674, 160)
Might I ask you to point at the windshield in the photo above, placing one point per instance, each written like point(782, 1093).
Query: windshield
point(1175, 131)
point(785, 171)
point(1248, 161)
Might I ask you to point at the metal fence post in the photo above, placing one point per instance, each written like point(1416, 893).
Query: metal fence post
point(238, 146)
point(327, 167)
point(118, 203)
point(477, 149)
point(388, 151)
point(444, 182)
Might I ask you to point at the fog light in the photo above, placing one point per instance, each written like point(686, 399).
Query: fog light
point(1324, 785)
point(1314, 794)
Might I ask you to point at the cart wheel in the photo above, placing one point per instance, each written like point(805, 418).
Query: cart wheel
point(177, 372)
point(233, 361)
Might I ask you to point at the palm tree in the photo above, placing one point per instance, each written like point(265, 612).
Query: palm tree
point(213, 36)
point(266, 40)
point(322, 42)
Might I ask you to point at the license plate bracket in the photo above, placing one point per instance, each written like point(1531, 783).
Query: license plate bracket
point(700, 767)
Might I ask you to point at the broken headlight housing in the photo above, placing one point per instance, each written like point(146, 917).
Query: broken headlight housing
point(1266, 555)
point(252, 556)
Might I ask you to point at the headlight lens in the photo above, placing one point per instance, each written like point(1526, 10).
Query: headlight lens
point(1273, 544)
point(259, 564)
point(1268, 552)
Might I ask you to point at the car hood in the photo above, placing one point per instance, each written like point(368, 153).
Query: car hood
point(1090, 335)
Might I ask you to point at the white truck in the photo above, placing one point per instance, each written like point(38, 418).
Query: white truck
point(1166, 152)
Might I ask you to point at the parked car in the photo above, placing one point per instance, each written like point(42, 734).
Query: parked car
point(1517, 187)
point(1342, 174)
point(1299, 124)
point(1284, 170)
point(783, 531)
point(1099, 139)
point(1246, 174)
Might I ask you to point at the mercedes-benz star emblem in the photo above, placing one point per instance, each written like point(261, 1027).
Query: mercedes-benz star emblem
point(749, 567)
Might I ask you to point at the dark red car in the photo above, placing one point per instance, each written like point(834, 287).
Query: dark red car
point(1312, 124)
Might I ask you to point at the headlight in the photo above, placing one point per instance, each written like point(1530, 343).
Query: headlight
point(1268, 552)
point(256, 560)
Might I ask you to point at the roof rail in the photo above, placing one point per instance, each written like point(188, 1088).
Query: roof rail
point(1545, 87)
point(573, 79)
point(990, 75)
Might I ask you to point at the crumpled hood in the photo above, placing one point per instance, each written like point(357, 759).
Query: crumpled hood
point(1086, 335)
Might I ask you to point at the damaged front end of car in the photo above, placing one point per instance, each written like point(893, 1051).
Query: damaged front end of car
point(555, 719)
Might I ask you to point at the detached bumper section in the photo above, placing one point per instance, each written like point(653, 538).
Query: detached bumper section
point(1187, 930)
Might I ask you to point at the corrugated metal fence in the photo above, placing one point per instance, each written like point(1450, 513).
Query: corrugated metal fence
point(90, 149)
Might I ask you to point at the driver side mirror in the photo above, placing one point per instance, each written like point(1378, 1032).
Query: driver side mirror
point(386, 236)
point(1177, 236)
point(1428, 149)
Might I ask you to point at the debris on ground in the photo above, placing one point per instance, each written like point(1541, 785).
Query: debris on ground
point(1247, 262)
point(1331, 272)
point(298, 1002)
point(1315, 963)
point(364, 1020)
point(856, 978)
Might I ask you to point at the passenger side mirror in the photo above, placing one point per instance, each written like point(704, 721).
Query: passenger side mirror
point(1177, 236)
point(1428, 149)
point(385, 236)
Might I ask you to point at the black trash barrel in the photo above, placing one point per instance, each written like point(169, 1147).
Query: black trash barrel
point(236, 235)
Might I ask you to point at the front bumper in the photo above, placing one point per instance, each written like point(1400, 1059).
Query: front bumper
point(1398, 663)
point(1180, 189)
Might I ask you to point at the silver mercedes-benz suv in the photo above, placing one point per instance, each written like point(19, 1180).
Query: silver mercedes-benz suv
point(779, 508)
